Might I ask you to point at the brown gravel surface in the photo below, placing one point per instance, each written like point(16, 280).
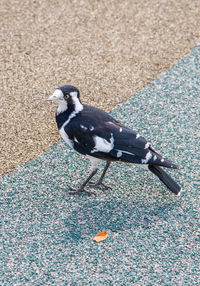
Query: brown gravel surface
point(108, 49)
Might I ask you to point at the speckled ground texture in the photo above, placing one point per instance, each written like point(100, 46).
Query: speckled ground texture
point(110, 50)
point(153, 235)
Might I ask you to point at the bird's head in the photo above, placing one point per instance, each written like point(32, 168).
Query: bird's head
point(66, 96)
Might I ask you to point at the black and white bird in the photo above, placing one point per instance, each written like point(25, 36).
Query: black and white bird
point(96, 134)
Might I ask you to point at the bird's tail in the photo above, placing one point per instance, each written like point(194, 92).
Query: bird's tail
point(165, 178)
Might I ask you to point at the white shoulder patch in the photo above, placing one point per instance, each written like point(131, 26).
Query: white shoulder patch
point(102, 145)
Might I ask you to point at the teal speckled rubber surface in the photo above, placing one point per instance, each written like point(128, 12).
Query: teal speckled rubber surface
point(152, 234)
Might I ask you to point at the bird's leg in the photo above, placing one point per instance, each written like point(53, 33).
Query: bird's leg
point(99, 182)
point(81, 188)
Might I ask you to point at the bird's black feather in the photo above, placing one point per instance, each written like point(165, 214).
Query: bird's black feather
point(91, 131)
point(99, 123)
point(165, 178)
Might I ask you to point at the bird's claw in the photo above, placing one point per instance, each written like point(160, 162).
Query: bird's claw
point(96, 184)
point(80, 190)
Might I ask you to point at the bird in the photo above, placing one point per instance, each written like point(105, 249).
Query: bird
point(97, 135)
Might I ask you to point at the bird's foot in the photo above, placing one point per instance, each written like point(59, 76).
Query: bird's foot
point(99, 183)
point(80, 190)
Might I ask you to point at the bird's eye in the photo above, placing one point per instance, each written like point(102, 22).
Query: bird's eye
point(66, 96)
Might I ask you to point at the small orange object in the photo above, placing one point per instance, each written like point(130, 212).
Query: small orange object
point(100, 236)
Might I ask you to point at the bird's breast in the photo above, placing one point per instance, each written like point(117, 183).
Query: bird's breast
point(65, 137)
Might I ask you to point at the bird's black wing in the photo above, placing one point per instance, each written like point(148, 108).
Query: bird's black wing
point(132, 147)
point(107, 139)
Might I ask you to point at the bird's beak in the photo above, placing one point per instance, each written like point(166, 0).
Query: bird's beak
point(56, 96)
point(50, 97)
